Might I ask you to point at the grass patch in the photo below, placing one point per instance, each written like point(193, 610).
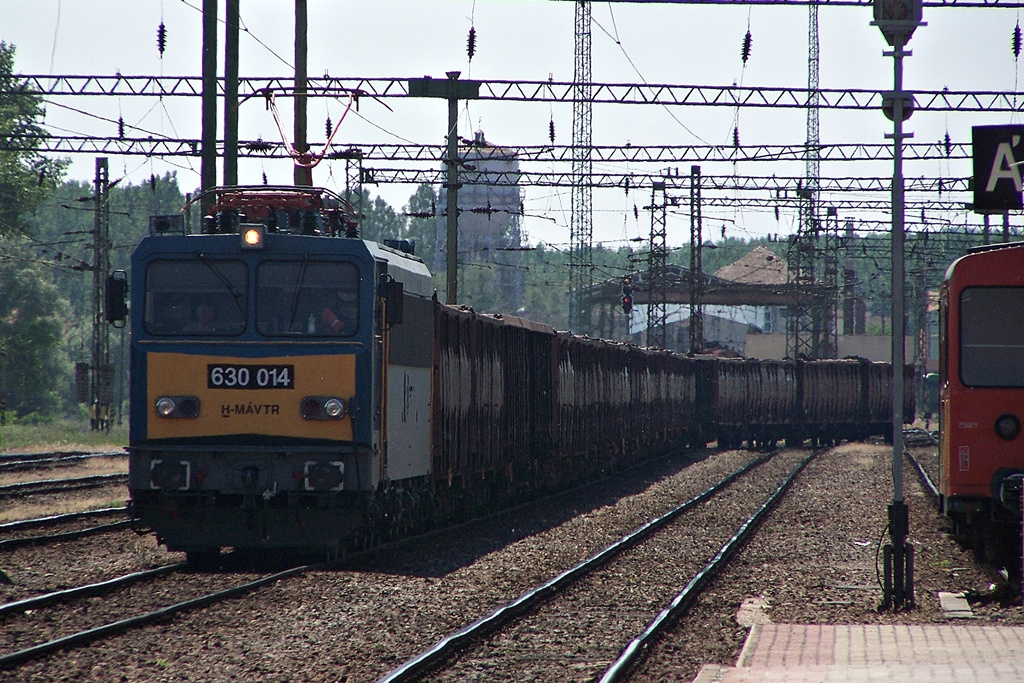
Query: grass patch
point(60, 434)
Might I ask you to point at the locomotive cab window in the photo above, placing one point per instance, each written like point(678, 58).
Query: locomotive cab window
point(196, 298)
point(307, 298)
point(992, 337)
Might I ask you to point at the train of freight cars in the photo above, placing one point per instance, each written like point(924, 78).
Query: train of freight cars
point(295, 387)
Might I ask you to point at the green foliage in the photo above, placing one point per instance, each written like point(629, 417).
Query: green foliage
point(33, 318)
point(26, 177)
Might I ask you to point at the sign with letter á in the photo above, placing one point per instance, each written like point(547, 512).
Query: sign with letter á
point(998, 156)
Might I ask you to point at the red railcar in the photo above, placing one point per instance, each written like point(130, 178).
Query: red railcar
point(982, 398)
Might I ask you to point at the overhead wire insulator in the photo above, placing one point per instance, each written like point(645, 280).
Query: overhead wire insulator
point(264, 177)
point(948, 145)
point(1016, 43)
point(328, 127)
point(736, 137)
point(748, 40)
point(471, 43)
point(120, 128)
point(161, 39)
point(551, 130)
point(152, 183)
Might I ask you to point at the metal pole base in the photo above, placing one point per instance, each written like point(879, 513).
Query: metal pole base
point(898, 581)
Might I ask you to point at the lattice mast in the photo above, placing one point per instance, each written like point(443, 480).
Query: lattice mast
point(657, 309)
point(581, 227)
point(804, 329)
point(696, 264)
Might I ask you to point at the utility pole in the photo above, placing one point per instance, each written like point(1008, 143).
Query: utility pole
point(452, 90)
point(303, 174)
point(231, 94)
point(101, 394)
point(208, 164)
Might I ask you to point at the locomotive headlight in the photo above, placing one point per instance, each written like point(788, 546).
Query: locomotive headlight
point(322, 408)
point(165, 406)
point(252, 235)
point(334, 407)
point(178, 406)
point(1007, 426)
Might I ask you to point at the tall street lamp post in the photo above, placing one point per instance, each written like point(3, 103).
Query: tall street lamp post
point(897, 19)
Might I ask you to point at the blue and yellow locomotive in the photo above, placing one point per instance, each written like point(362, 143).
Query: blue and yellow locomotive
point(271, 393)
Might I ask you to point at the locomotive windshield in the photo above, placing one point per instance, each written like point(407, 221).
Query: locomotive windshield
point(307, 298)
point(202, 297)
point(992, 337)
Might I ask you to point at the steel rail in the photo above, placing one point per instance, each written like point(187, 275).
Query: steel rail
point(457, 641)
point(9, 543)
point(57, 460)
point(88, 590)
point(37, 651)
point(57, 485)
point(620, 668)
point(13, 457)
point(57, 519)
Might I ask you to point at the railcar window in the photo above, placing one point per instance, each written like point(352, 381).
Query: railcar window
point(992, 336)
point(307, 298)
point(203, 297)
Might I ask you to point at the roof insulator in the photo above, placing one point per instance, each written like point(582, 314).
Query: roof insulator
point(471, 43)
point(161, 39)
point(551, 130)
point(1016, 41)
point(748, 40)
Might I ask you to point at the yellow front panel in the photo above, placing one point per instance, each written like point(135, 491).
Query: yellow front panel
point(249, 411)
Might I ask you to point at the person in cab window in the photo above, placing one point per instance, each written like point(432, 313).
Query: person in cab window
point(339, 317)
point(205, 322)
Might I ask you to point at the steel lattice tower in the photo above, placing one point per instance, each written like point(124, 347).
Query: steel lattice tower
point(804, 330)
point(657, 310)
point(581, 229)
point(696, 264)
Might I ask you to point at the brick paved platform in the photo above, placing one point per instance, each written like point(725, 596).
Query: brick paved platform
point(935, 653)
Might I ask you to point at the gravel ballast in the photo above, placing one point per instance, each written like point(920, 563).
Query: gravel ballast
point(812, 562)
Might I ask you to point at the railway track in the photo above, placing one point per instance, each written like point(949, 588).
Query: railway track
point(27, 618)
point(46, 607)
point(31, 488)
point(15, 462)
point(590, 604)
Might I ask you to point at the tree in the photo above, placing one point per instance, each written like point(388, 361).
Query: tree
point(33, 318)
point(34, 371)
point(26, 177)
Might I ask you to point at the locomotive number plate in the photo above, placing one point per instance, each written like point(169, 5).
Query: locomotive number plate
point(250, 376)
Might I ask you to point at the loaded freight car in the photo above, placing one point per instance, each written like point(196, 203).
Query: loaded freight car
point(826, 401)
point(520, 408)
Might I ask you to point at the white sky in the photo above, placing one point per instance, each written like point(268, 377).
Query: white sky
point(960, 48)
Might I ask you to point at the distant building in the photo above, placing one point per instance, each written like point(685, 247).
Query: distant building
point(490, 214)
point(761, 266)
